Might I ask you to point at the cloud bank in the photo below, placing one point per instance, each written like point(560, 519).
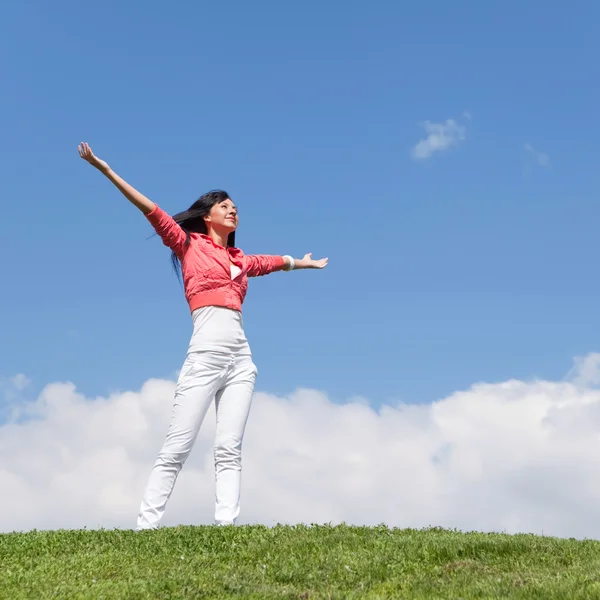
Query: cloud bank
point(516, 456)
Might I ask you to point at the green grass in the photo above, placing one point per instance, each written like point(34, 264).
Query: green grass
point(295, 562)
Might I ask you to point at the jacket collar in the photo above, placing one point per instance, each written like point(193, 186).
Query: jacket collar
point(233, 251)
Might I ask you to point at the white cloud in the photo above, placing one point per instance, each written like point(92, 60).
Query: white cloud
point(586, 370)
point(440, 136)
point(10, 388)
point(512, 456)
point(541, 158)
point(19, 382)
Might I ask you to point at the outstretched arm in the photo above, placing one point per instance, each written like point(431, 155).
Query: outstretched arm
point(136, 198)
point(262, 264)
point(170, 232)
point(304, 263)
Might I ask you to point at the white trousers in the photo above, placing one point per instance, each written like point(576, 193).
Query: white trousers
point(228, 378)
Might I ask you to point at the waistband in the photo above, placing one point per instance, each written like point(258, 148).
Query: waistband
point(214, 298)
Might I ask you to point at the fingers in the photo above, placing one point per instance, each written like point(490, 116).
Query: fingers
point(85, 151)
point(320, 264)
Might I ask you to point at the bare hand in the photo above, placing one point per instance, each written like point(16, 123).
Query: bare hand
point(308, 263)
point(86, 153)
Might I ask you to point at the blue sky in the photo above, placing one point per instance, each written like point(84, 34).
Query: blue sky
point(474, 262)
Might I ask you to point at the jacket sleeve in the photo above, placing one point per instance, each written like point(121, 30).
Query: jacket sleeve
point(263, 264)
point(169, 231)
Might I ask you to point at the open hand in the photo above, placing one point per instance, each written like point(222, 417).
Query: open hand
point(86, 153)
point(308, 263)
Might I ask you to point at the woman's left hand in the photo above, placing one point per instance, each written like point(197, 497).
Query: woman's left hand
point(308, 263)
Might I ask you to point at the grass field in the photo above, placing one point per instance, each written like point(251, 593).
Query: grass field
point(295, 562)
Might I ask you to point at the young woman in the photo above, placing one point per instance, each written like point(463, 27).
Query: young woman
point(218, 365)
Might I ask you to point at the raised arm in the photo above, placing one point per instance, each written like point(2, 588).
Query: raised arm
point(169, 231)
point(136, 198)
point(263, 264)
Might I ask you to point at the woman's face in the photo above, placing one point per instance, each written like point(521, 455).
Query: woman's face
point(223, 216)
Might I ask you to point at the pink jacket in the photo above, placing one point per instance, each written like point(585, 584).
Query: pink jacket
point(205, 265)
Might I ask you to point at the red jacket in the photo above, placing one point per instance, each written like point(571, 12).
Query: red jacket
point(205, 265)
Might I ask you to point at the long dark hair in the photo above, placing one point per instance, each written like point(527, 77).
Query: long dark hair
point(192, 220)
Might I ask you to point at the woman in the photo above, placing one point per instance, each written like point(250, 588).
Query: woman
point(219, 363)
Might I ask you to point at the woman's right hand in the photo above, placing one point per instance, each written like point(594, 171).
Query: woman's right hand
point(86, 153)
point(136, 198)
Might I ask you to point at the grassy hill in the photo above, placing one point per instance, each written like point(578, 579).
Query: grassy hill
point(295, 562)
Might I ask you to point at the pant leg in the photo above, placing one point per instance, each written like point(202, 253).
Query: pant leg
point(201, 377)
point(233, 403)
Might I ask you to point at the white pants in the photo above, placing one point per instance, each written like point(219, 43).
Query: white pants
point(223, 372)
